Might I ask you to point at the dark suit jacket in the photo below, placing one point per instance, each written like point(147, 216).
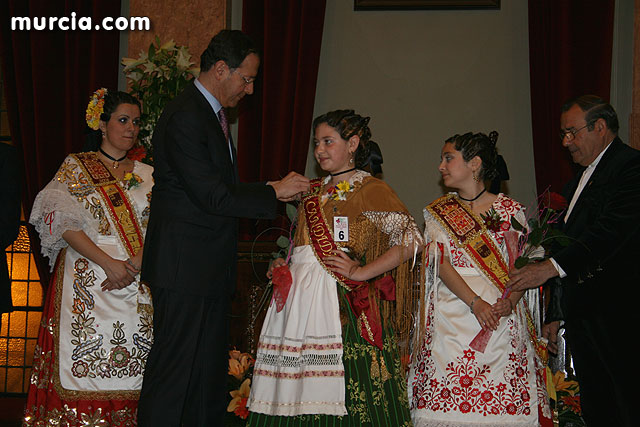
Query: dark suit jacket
point(603, 265)
point(9, 215)
point(191, 239)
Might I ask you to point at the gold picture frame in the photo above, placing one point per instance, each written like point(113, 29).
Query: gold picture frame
point(424, 4)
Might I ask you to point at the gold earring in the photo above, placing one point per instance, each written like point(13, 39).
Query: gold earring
point(475, 177)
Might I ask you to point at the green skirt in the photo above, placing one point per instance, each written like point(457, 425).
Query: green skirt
point(376, 393)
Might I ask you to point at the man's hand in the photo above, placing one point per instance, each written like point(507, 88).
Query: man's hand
point(278, 262)
point(531, 275)
point(290, 186)
point(550, 332)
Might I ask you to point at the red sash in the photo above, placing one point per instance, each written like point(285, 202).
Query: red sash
point(323, 245)
point(469, 233)
point(115, 201)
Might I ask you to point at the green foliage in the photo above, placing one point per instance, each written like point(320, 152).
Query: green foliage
point(155, 78)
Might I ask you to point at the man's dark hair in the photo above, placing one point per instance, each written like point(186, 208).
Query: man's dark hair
point(230, 46)
point(595, 108)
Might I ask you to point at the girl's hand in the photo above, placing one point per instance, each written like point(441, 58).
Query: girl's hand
point(278, 262)
point(485, 315)
point(136, 261)
point(120, 274)
point(341, 263)
point(503, 307)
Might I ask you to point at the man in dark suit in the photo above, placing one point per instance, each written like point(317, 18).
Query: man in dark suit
point(190, 247)
point(9, 216)
point(598, 270)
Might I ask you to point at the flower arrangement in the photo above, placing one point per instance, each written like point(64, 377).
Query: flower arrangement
point(541, 231)
point(240, 372)
point(565, 400)
point(155, 78)
point(494, 222)
point(138, 153)
point(95, 108)
point(132, 180)
point(340, 191)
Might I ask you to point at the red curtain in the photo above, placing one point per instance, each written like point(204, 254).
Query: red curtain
point(48, 78)
point(275, 123)
point(570, 47)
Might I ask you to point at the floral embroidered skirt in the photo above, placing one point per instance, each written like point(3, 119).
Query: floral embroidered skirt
point(452, 384)
point(376, 394)
point(51, 404)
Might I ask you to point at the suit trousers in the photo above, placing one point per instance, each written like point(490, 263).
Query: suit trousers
point(185, 381)
point(598, 348)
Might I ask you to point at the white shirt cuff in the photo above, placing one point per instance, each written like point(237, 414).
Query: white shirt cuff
point(559, 269)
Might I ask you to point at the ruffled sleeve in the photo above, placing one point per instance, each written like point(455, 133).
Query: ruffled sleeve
point(58, 208)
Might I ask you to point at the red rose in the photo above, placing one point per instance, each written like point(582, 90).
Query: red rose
point(555, 201)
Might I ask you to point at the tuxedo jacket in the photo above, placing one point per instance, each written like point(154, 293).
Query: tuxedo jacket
point(602, 261)
point(191, 239)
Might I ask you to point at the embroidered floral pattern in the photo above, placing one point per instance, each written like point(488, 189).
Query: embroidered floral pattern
point(298, 349)
point(69, 417)
point(466, 387)
point(79, 187)
point(39, 374)
point(297, 376)
point(91, 358)
point(501, 212)
point(80, 369)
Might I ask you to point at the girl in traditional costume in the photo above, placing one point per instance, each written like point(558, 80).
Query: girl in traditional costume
point(327, 354)
point(96, 328)
point(476, 361)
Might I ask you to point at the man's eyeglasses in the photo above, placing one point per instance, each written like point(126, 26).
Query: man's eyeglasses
point(570, 134)
point(247, 80)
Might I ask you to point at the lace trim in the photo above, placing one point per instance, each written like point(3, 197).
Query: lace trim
point(356, 178)
point(399, 226)
point(51, 216)
point(282, 361)
point(421, 422)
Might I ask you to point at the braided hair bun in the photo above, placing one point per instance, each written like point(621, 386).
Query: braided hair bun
point(348, 123)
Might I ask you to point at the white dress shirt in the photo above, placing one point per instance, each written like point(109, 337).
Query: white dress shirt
point(586, 174)
point(215, 104)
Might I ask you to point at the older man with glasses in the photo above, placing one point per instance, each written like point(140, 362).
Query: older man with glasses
point(598, 270)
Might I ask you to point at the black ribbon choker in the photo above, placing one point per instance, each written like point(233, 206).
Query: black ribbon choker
point(475, 198)
point(340, 173)
point(114, 160)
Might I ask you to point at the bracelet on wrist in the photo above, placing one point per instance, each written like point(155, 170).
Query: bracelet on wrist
point(476, 298)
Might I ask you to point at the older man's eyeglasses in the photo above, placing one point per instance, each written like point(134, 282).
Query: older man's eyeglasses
point(570, 134)
point(247, 80)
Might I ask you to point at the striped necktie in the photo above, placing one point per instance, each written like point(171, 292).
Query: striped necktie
point(222, 117)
